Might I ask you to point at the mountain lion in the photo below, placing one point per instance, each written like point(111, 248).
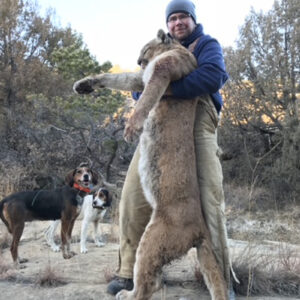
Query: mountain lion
point(167, 166)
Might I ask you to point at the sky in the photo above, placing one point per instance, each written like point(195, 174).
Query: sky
point(116, 30)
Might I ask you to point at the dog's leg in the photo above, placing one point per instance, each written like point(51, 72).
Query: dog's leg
point(213, 276)
point(17, 231)
point(50, 234)
point(98, 238)
point(64, 229)
point(69, 238)
point(83, 237)
point(158, 75)
point(161, 243)
point(65, 238)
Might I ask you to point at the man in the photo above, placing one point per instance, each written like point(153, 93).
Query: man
point(203, 83)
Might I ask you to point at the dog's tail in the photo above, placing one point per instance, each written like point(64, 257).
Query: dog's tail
point(2, 216)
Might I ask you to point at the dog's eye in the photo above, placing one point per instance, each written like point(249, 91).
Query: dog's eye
point(101, 194)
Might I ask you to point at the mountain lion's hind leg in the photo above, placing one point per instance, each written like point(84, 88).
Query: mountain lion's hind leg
point(212, 274)
point(158, 246)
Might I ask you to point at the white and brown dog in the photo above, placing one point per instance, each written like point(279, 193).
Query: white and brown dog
point(63, 203)
point(93, 210)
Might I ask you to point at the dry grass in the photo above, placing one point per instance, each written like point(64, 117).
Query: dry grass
point(15, 180)
point(246, 199)
point(263, 269)
point(5, 241)
point(7, 272)
point(256, 217)
point(268, 274)
point(108, 274)
point(260, 273)
point(48, 277)
point(6, 189)
point(113, 235)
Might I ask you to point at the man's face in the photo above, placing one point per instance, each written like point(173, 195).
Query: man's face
point(180, 25)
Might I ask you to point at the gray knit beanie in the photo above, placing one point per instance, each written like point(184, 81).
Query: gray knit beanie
point(176, 6)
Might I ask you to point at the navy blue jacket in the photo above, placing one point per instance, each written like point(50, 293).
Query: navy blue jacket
point(210, 75)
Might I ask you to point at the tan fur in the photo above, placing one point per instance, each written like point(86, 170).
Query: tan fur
point(167, 167)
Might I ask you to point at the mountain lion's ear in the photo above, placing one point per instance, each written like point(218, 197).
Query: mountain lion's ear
point(163, 36)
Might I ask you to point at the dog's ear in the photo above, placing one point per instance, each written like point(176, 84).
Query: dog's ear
point(95, 177)
point(106, 193)
point(69, 179)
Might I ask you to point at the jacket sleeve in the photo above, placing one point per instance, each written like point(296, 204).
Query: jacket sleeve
point(136, 95)
point(208, 78)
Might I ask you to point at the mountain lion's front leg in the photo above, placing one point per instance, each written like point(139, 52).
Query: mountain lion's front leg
point(122, 81)
point(157, 82)
point(134, 125)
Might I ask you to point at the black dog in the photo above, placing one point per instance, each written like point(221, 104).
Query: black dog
point(63, 203)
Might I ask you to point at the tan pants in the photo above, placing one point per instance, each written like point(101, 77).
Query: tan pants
point(135, 211)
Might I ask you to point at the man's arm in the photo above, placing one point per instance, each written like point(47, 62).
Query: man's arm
point(208, 78)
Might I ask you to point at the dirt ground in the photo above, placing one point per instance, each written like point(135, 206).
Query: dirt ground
point(85, 276)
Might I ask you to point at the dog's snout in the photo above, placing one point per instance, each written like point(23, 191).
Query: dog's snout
point(96, 204)
point(86, 177)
